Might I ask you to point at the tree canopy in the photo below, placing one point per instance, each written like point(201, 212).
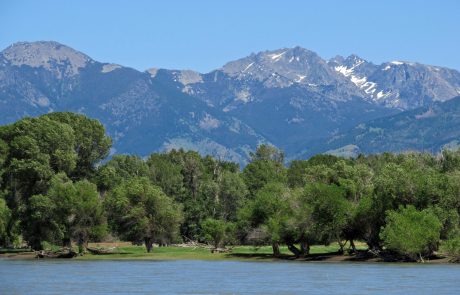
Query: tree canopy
point(58, 185)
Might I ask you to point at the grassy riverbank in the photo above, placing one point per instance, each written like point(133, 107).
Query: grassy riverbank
point(127, 251)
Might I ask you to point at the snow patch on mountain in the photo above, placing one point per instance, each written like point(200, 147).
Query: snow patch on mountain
point(362, 82)
point(276, 57)
point(247, 68)
point(382, 94)
point(301, 77)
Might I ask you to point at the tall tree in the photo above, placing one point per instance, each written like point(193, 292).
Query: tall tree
point(266, 166)
point(91, 143)
point(268, 212)
point(69, 211)
point(329, 211)
point(140, 212)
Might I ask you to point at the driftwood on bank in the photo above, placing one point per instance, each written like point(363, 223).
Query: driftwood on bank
point(61, 253)
point(101, 251)
point(220, 250)
point(195, 244)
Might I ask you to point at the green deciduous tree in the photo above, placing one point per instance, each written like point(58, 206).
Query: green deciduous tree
point(5, 216)
point(69, 211)
point(140, 212)
point(329, 210)
point(119, 168)
point(268, 212)
point(411, 232)
point(91, 143)
point(232, 194)
point(218, 232)
point(266, 166)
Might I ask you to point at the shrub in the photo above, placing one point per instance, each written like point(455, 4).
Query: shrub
point(451, 248)
point(411, 232)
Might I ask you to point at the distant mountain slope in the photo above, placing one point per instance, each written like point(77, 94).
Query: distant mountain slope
point(424, 129)
point(289, 97)
point(140, 113)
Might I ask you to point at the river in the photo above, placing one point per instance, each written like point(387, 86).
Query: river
point(224, 277)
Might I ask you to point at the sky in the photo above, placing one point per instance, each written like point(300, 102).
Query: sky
point(204, 35)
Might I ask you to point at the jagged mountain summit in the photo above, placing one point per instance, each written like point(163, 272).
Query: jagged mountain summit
point(398, 84)
point(289, 97)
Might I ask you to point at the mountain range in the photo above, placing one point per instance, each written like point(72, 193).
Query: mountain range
point(291, 98)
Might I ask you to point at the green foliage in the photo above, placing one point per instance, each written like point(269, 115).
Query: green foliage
point(258, 173)
point(451, 248)
point(266, 152)
point(69, 211)
point(166, 173)
point(139, 211)
point(91, 142)
point(49, 165)
point(329, 210)
point(266, 166)
point(296, 173)
point(39, 222)
point(232, 194)
point(218, 232)
point(206, 187)
point(450, 160)
point(119, 168)
point(411, 232)
point(267, 213)
point(5, 216)
point(32, 152)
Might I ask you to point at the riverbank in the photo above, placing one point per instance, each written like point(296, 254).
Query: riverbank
point(318, 253)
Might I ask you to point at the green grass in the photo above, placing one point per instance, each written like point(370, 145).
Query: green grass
point(14, 250)
point(125, 250)
point(177, 253)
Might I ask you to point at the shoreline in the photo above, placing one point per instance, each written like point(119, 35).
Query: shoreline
point(313, 258)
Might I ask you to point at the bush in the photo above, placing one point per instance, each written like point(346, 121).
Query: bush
point(411, 232)
point(451, 248)
point(218, 232)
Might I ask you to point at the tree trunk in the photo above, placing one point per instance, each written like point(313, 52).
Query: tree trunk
point(294, 250)
point(82, 244)
point(421, 258)
point(67, 242)
point(148, 244)
point(341, 245)
point(304, 248)
point(276, 249)
point(36, 244)
point(352, 245)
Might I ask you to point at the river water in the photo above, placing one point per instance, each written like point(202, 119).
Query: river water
point(224, 277)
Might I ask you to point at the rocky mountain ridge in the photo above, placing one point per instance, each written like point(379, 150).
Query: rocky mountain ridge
point(289, 97)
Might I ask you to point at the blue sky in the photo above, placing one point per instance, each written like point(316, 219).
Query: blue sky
point(203, 35)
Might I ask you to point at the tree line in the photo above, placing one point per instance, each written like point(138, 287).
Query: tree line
point(57, 186)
